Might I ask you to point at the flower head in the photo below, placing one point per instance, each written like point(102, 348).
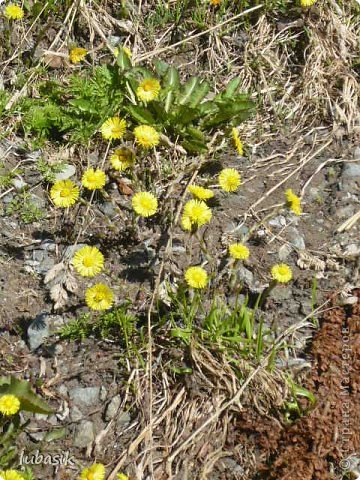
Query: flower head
point(239, 251)
point(186, 222)
point(10, 475)
point(148, 89)
point(196, 277)
point(122, 476)
point(281, 273)
point(237, 142)
point(125, 49)
point(77, 54)
point(88, 261)
point(200, 192)
point(229, 179)
point(13, 12)
point(99, 297)
point(95, 472)
point(9, 404)
point(113, 128)
point(293, 201)
point(145, 204)
point(215, 2)
point(307, 3)
point(93, 179)
point(64, 193)
point(146, 136)
point(122, 159)
point(197, 212)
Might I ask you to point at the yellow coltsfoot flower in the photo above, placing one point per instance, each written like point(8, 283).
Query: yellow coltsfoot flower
point(145, 204)
point(13, 12)
point(237, 142)
point(10, 475)
point(215, 2)
point(88, 261)
point(197, 212)
point(229, 179)
point(307, 3)
point(95, 472)
point(200, 192)
point(122, 159)
point(113, 128)
point(64, 193)
point(186, 222)
point(99, 297)
point(93, 179)
point(148, 90)
point(77, 54)
point(239, 251)
point(281, 273)
point(122, 476)
point(146, 136)
point(9, 404)
point(293, 201)
point(196, 277)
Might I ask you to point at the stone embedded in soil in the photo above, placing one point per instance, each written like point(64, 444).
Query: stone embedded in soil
point(19, 184)
point(112, 408)
point(278, 222)
point(281, 293)
point(350, 178)
point(357, 153)
point(84, 434)
point(67, 172)
point(123, 419)
point(284, 252)
point(38, 330)
point(293, 235)
point(76, 414)
point(245, 275)
point(84, 395)
point(108, 209)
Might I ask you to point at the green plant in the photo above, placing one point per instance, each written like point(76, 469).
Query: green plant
point(23, 206)
point(48, 170)
point(293, 408)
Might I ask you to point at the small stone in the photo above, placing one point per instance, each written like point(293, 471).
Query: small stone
point(278, 222)
point(294, 237)
point(72, 249)
point(284, 252)
point(85, 395)
point(37, 201)
point(103, 393)
point(84, 434)
point(39, 255)
point(67, 172)
point(112, 408)
point(108, 209)
point(357, 153)
point(245, 275)
point(123, 420)
point(281, 293)
point(76, 414)
point(37, 436)
point(63, 391)
point(48, 245)
point(19, 183)
point(38, 331)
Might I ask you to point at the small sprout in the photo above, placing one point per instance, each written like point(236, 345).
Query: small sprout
point(64, 193)
point(113, 128)
point(146, 136)
point(145, 204)
point(196, 277)
point(93, 179)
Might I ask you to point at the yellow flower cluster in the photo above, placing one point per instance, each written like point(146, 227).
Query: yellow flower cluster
point(196, 213)
point(10, 475)
point(293, 201)
point(122, 159)
point(99, 297)
point(9, 404)
point(200, 193)
point(95, 472)
point(77, 54)
point(13, 12)
point(307, 3)
point(237, 142)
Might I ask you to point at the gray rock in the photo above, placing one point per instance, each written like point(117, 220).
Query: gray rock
point(245, 275)
point(350, 178)
point(284, 252)
point(278, 222)
point(39, 255)
point(84, 434)
point(38, 330)
point(67, 172)
point(112, 408)
point(37, 201)
point(8, 198)
point(108, 209)
point(350, 301)
point(45, 265)
point(71, 249)
point(281, 293)
point(357, 153)
point(48, 245)
point(345, 212)
point(37, 436)
point(123, 420)
point(63, 391)
point(294, 237)
point(84, 395)
point(76, 414)
point(103, 393)
point(19, 183)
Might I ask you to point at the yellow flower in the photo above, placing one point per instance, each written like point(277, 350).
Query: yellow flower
point(237, 142)
point(281, 273)
point(9, 404)
point(196, 277)
point(294, 202)
point(125, 49)
point(88, 261)
point(197, 212)
point(215, 2)
point(148, 89)
point(77, 54)
point(239, 251)
point(186, 222)
point(229, 179)
point(122, 159)
point(113, 128)
point(200, 192)
point(64, 193)
point(14, 12)
point(146, 136)
point(122, 476)
point(99, 297)
point(145, 204)
point(10, 475)
point(95, 472)
point(307, 3)
point(93, 179)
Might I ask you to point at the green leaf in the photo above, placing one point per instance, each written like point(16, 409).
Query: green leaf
point(199, 94)
point(231, 88)
point(238, 111)
point(184, 115)
point(83, 105)
point(142, 115)
point(160, 67)
point(196, 134)
point(29, 401)
point(172, 79)
point(123, 60)
point(194, 146)
point(303, 392)
point(55, 434)
point(188, 90)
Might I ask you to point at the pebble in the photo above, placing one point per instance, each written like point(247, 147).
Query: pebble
point(284, 252)
point(294, 237)
point(84, 434)
point(108, 209)
point(38, 330)
point(281, 293)
point(245, 275)
point(112, 408)
point(67, 172)
point(123, 420)
point(85, 395)
point(350, 301)
point(279, 221)
point(76, 414)
point(19, 184)
point(357, 153)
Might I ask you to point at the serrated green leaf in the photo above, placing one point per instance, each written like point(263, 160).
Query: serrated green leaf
point(29, 401)
point(231, 88)
point(196, 134)
point(194, 146)
point(188, 90)
point(123, 60)
point(183, 115)
point(199, 94)
point(83, 105)
point(142, 115)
